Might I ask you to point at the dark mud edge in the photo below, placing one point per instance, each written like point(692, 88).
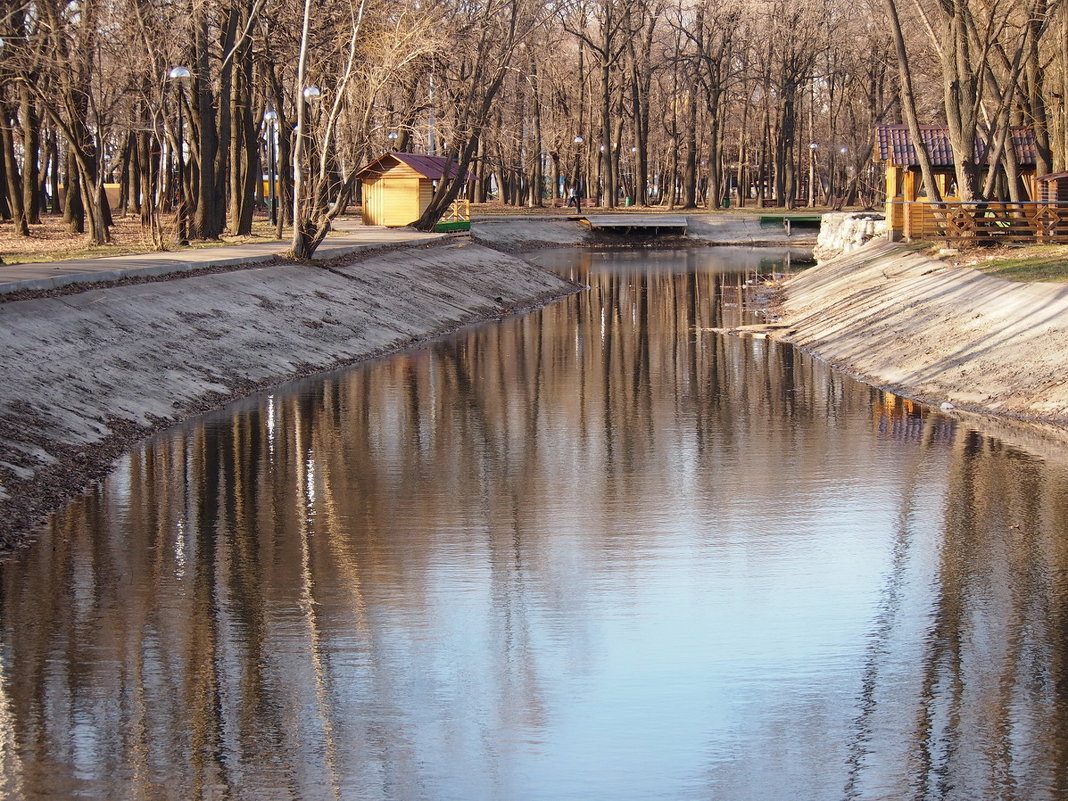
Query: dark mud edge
point(76, 468)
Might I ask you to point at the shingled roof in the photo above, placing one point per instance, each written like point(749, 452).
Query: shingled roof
point(895, 145)
point(432, 167)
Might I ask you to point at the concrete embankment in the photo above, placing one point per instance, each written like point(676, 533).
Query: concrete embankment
point(926, 329)
point(88, 373)
point(519, 234)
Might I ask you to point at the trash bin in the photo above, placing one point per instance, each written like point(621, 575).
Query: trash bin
point(726, 201)
point(628, 201)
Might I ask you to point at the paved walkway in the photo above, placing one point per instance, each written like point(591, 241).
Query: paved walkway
point(350, 237)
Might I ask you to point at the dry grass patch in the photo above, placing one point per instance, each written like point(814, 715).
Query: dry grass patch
point(52, 241)
point(1048, 263)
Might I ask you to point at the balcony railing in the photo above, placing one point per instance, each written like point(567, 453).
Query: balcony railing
point(966, 224)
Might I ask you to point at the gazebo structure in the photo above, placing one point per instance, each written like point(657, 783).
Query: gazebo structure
point(397, 187)
point(904, 183)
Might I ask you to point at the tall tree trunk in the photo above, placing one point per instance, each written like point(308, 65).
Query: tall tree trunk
point(960, 89)
point(16, 200)
point(689, 168)
point(206, 213)
point(908, 103)
point(55, 197)
point(31, 157)
point(302, 244)
point(244, 150)
point(5, 206)
point(73, 208)
point(785, 187)
point(605, 161)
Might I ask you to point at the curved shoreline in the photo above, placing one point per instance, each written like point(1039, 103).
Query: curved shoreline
point(90, 373)
point(937, 333)
point(94, 370)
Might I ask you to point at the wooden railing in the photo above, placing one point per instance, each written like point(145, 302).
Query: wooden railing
point(975, 223)
point(459, 211)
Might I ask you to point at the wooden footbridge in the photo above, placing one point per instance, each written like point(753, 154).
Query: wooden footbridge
point(636, 224)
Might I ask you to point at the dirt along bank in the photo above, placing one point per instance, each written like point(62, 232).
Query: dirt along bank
point(88, 373)
point(935, 332)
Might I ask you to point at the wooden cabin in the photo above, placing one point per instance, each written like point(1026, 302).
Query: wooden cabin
point(397, 187)
point(904, 183)
point(1053, 188)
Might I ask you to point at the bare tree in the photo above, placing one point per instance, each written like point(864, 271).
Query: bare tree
point(471, 79)
point(381, 42)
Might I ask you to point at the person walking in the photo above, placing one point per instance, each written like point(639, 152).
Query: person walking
point(573, 199)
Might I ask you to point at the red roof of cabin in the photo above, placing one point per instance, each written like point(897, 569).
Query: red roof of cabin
point(432, 167)
point(895, 145)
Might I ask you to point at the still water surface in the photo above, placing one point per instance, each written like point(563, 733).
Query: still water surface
point(595, 552)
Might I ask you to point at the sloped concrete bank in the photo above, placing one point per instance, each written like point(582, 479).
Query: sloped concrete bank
point(941, 334)
point(88, 373)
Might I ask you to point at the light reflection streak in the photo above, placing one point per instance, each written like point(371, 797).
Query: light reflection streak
point(11, 767)
point(271, 424)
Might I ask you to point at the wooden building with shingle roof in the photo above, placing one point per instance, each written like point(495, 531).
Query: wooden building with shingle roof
point(397, 187)
point(904, 183)
point(1053, 188)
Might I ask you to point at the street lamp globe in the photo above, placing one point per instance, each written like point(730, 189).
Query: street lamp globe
point(179, 75)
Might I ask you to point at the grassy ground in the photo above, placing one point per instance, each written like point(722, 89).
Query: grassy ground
point(1034, 263)
point(1026, 264)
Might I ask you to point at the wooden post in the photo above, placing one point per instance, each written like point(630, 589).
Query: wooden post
point(893, 209)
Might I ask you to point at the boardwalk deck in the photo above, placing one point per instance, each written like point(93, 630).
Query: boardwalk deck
point(648, 224)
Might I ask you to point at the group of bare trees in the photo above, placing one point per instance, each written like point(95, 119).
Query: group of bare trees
point(674, 102)
point(995, 65)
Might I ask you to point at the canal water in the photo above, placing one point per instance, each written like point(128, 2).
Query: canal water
point(595, 552)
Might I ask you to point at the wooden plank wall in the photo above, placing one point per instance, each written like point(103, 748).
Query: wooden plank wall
point(968, 224)
point(395, 199)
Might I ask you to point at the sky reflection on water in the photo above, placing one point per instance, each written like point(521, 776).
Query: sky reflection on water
point(593, 552)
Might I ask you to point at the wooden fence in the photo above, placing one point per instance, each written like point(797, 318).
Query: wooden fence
point(976, 223)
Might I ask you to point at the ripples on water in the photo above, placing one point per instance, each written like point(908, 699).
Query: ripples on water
point(596, 552)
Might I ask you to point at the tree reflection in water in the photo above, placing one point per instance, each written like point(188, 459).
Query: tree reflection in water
point(598, 551)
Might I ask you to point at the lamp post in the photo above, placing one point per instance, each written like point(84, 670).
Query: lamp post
point(179, 75)
point(392, 136)
point(845, 173)
point(309, 94)
point(813, 146)
point(271, 118)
